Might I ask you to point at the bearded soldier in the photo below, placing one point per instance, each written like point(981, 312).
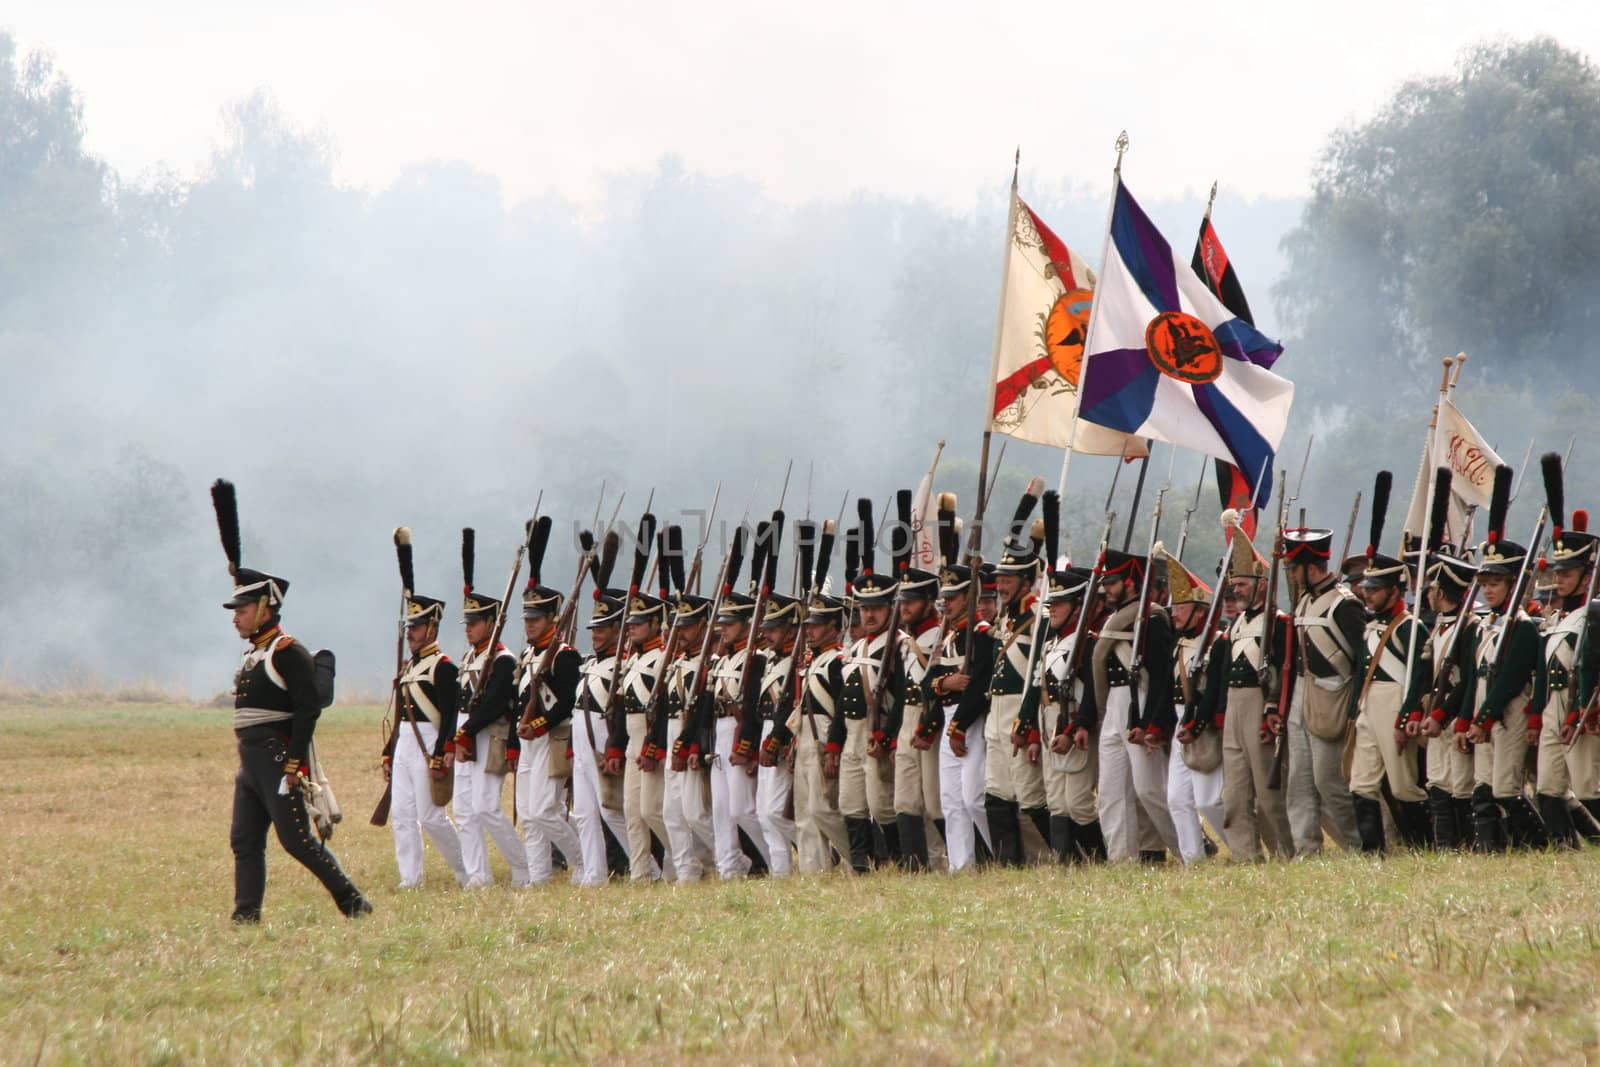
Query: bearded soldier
point(816, 794)
point(1507, 663)
point(1329, 627)
point(630, 749)
point(733, 785)
point(1447, 660)
point(1390, 689)
point(546, 726)
point(484, 745)
point(686, 802)
point(1194, 770)
point(427, 716)
point(1248, 734)
point(1133, 739)
point(597, 798)
point(1569, 757)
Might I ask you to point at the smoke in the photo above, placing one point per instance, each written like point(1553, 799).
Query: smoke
point(428, 354)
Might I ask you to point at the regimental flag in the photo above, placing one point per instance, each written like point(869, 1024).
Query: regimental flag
point(1211, 263)
point(1456, 444)
point(1168, 361)
point(1038, 355)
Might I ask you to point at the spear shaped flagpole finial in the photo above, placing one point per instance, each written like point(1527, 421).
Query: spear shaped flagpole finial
point(1122, 146)
point(1211, 200)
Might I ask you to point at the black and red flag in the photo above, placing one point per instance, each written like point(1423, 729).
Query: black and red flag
point(1234, 487)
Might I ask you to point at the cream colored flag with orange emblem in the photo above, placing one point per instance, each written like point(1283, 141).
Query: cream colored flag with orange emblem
point(1045, 299)
point(1456, 444)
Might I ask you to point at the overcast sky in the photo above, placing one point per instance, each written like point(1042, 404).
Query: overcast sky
point(810, 99)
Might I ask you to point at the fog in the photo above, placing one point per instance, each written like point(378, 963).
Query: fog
point(434, 354)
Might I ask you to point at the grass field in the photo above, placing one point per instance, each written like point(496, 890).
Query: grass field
point(115, 889)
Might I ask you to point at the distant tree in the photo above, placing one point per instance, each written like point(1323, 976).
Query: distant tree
point(1464, 216)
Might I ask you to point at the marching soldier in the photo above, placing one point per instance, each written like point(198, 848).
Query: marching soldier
point(1448, 659)
point(275, 711)
point(733, 786)
point(1390, 689)
point(958, 701)
point(630, 749)
point(1507, 662)
point(483, 746)
point(597, 798)
point(816, 794)
point(1569, 757)
point(857, 753)
point(916, 769)
point(548, 698)
point(1065, 687)
point(1248, 733)
point(1329, 629)
point(1194, 771)
point(1013, 785)
point(686, 808)
point(1132, 745)
point(426, 716)
point(765, 734)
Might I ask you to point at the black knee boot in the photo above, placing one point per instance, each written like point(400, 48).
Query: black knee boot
point(1091, 842)
point(752, 852)
point(913, 841)
point(859, 833)
point(1063, 839)
point(1584, 821)
point(889, 838)
point(1004, 830)
point(1369, 822)
point(1414, 824)
point(1488, 821)
point(1443, 813)
point(944, 838)
point(1466, 831)
point(1040, 817)
point(1523, 823)
point(1557, 822)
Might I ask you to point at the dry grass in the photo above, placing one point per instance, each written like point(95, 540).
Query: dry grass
point(116, 881)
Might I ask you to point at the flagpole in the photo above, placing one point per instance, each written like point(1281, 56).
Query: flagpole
point(1424, 483)
point(999, 330)
point(1427, 527)
point(1088, 333)
point(1210, 202)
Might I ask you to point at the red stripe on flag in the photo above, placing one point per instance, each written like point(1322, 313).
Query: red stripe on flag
point(1055, 251)
point(1239, 498)
point(1213, 256)
point(1007, 389)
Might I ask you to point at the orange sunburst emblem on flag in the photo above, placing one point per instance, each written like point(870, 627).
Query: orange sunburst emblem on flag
point(1066, 329)
point(1183, 347)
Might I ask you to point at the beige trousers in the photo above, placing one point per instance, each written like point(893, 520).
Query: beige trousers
point(863, 791)
point(1069, 780)
point(816, 802)
point(642, 795)
point(1247, 804)
point(1007, 774)
point(1497, 762)
point(1377, 756)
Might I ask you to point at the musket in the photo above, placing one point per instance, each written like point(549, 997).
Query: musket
point(1194, 505)
point(900, 550)
point(1522, 472)
point(729, 574)
point(481, 679)
point(644, 536)
point(765, 579)
point(796, 680)
point(994, 476)
point(1068, 722)
point(1269, 629)
point(403, 550)
point(1140, 620)
point(1350, 530)
point(1513, 604)
point(538, 538)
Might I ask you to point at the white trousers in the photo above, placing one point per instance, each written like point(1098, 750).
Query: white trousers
point(542, 807)
point(961, 793)
point(479, 819)
point(774, 787)
point(589, 818)
point(1133, 782)
point(733, 806)
point(412, 811)
point(1190, 796)
point(686, 813)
